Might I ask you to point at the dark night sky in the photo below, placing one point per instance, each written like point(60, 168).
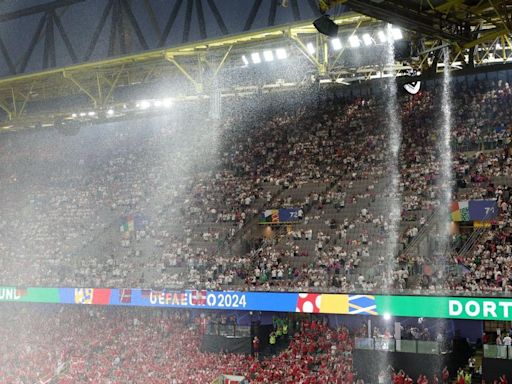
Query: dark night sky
point(81, 19)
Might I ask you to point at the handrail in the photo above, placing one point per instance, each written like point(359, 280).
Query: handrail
point(421, 234)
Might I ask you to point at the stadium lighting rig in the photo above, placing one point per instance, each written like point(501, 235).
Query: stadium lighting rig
point(354, 41)
point(267, 55)
point(336, 44)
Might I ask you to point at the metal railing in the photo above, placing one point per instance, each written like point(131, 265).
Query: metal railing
point(392, 345)
point(497, 351)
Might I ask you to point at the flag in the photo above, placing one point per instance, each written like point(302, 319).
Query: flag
point(198, 297)
point(127, 224)
point(460, 211)
point(362, 304)
point(125, 296)
point(99, 296)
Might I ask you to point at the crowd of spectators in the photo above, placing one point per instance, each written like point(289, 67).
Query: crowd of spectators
point(119, 345)
point(175, 203)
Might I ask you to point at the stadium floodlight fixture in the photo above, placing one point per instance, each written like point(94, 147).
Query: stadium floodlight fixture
point(281, 53)
point(83, 114)
point(167, 102)
point(387, 316)
point(382, 36)
point(157, 103)
point(245, 61)
point(268, 55)
point(255, 57)
point(336, 44)
point(110, 112)
point(396, 33)
point(91, 113)
point(354, 41)
point(367, 39)
point(311, 48)
point(73, 115)
point(144, 104)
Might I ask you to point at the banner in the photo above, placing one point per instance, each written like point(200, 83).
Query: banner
point(474, 210)
point(132, 222)
point(30, 295)
point(280, 216)
point(476, 308)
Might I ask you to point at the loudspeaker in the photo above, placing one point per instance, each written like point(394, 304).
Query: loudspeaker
point(326, 26)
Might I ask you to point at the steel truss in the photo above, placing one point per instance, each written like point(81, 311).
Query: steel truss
point(53, 94)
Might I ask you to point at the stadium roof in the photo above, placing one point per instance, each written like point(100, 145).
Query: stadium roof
point(135, 51)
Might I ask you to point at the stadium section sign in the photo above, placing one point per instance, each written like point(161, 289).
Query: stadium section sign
point(476, 308)
point(281, 216)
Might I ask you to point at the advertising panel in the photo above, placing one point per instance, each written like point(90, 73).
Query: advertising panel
point(280, 216)
point(477, 308)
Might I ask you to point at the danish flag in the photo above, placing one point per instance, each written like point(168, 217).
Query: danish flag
point(198, 297)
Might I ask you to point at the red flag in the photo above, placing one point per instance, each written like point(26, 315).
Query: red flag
point(198, 297)
point(101, 296)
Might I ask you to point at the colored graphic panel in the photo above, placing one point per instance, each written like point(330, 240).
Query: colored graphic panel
point(474, 210)
point(405, 306)
point(362, 305)
point(446, 307)
point(280, 216)
point(30, 295)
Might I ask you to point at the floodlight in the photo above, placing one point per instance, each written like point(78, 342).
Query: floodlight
point(244, 59)
point(354, 41)
point(336, 44)
point(281, 53)
point(110, 112)
point(268, 55)
point(144, 104)
point(382, 36)
point(396, 33)
point(367, 39)
point(311, 48)
point(256, 59)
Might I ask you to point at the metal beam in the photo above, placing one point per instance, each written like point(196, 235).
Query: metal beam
point(7, 57)
point(272, 13)
point(135, 25)
point(222, 61)
point(414, 21)
point(65, 37)
point(81, 87)
point(188, 21)
point(37, 9)
point(200, 19)
point(113, 27)
point(33, 42)
point(252, 15)
point(218, 16)
point(197, 85)
point(112, 86)
point(98, 30)
point(295, 10)
point(170, 22)
point(488, 36)
point(152, 18)
point(49, 59)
